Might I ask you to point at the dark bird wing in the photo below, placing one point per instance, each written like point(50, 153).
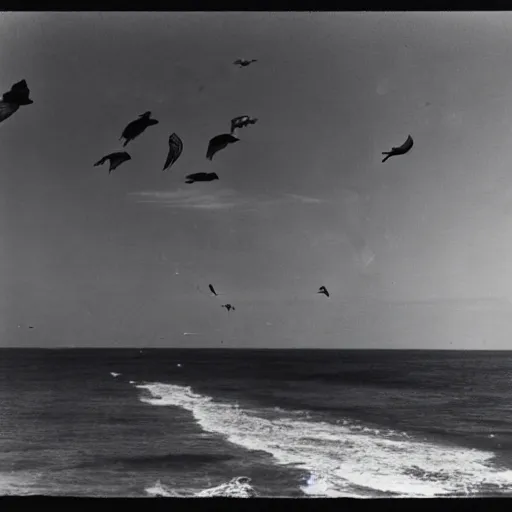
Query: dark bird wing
point(135, 128)
point(101, 161)
point(18, 94)
point(214, 145)
point(219, 142)
point(195, 176)
point(21, 88)
point(132, 130)
point(406, 146)
point(212, 289)
point(175, 149)
point(400, 150)
point(239, 122)
point(7, 110)
point(323, 290)
point(116, 159)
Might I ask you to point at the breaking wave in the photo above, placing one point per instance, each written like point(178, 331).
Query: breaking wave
point(343, 460)
point(238, 487)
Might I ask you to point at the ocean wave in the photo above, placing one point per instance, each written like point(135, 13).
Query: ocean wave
point(167, 460)
point(342, 460)
point(19, 484)
point(160, 491)
point(238, 487)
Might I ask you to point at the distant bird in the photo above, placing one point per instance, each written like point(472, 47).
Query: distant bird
point(13, 99)
point(242, 122)
point(244, 62)
point(201, 176)
point(400, 150)
point(323, 290)
point(212, 289)
point(135, 128)
point(115, 159)
point(114, 374)
point(175, 149)
point(228, 307)
point(220, 142)
point(30, 327)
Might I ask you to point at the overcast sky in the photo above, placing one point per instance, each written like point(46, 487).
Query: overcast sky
point(416, 252)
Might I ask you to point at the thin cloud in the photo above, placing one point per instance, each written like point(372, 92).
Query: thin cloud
point(305, 199)
point(215, 200)
point(194, 199)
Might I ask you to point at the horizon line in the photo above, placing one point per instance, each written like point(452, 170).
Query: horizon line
point(270, 349)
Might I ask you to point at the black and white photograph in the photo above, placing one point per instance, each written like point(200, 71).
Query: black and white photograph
point(256, 254)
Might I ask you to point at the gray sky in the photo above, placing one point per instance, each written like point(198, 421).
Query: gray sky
point(416, 252)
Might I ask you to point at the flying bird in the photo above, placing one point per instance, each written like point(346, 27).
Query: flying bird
point(242, 122)
point(323, 290)
point(175, 149)
point(244, 62)
point(201, 176)
point(400, 150)
point(13, 99)
point(135, 128)
point(212, 289)
point(115, 159)
point(228, 307)
point(220, 142)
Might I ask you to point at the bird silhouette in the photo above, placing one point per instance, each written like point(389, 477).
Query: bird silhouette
point(135, 128)
point(323, 290)
point(201, 176)
point(115, 159)
point(212, 289)
point(220, 142)
point(400, 150)
point(228, 307)
point(13, 99)
point(175, 149)
point(244, 62)
point(242, 122)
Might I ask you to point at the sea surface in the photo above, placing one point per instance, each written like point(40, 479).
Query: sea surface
point(299, 423)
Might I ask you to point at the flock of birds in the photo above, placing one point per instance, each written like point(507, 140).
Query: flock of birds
point(19, 96)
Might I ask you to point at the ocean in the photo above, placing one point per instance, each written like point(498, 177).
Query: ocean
point(299, 423)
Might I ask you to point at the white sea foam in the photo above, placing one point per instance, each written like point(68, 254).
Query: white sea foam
point(20, 484)
point(161, 491)
point(342, 460)
point(238, 487)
